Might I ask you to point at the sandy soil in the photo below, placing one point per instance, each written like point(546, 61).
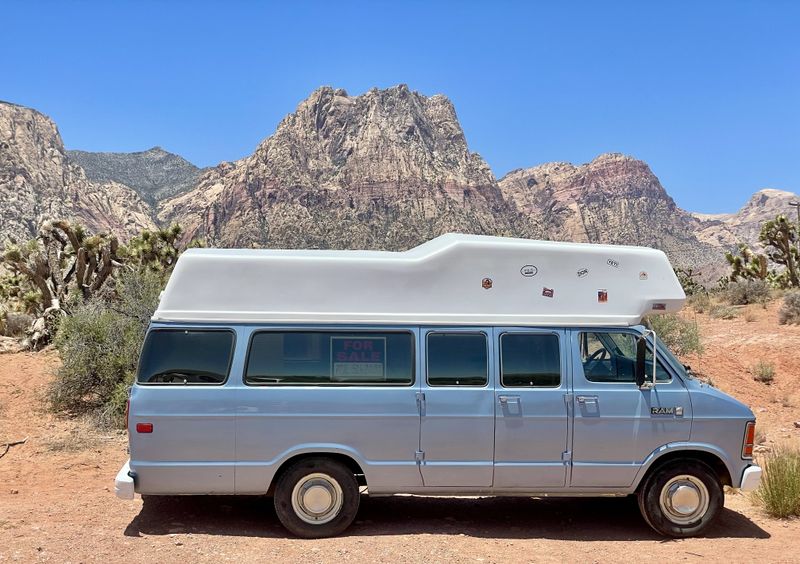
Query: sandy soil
point(57, 502)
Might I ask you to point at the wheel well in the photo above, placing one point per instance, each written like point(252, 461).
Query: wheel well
point(341, 458)
point(711, 460)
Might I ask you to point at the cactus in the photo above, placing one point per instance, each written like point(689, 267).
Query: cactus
point(747, 264)
point(780, 237)
point(687, 279)
point(158, 250)
point(64, 262)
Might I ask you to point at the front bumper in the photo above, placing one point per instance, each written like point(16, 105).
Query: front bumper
point(124, 483)
point(751, 478)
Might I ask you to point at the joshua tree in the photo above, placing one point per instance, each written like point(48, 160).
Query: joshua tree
point(64, 262)
point(747, 264)
point(779, 236)
point(158, 250)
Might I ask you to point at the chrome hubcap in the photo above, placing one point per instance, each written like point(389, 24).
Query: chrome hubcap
point(684, 499)
point(317, 498)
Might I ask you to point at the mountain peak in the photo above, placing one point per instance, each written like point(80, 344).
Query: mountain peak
point(393, 155)
point(154, 173)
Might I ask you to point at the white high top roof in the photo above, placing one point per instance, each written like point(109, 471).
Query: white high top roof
point(534, 283)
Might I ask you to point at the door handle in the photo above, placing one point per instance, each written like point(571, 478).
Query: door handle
point(587, 399)
point(508, 399)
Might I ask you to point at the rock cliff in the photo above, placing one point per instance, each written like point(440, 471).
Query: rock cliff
point(612, 199)
point(387, 169)
point(38, 181)
point(744, 226)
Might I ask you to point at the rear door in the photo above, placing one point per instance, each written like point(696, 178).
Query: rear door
point(183, 412)
point(458, 408)
point(617, 425)
point(531, 431)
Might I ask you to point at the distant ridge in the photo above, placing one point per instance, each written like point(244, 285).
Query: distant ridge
point(155, 174)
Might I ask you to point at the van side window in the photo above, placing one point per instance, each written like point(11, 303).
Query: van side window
point(611, 357)
point(330, 357)
point(530, 360)
point(178, 356)
point(457, 359)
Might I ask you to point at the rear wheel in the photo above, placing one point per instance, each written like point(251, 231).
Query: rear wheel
point(681, 499)
point(316, 497)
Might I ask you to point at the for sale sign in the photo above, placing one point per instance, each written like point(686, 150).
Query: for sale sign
point(358, 358)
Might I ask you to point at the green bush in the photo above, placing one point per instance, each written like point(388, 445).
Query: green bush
point(99, 345)
point(790, 310)
point(681, 336)
point(744, 292)
point(763, 371)
point(779, 492)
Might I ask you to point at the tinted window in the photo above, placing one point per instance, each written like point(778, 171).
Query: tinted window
point(327, 357)
point(457, 359)
point(611, 357)
point(186, 357)
point(530, 360)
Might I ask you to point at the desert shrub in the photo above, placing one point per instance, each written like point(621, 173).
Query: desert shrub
point(16, 324)
point(744, 292)
point(763, 371)
point(99, 345)
point(680, 335)
point(749, 316)
point(699, 302)
point(723, 312)
point(790, 310)
point(779, 492)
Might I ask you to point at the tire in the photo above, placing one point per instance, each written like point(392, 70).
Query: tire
point(316, 497)
point(681, 499)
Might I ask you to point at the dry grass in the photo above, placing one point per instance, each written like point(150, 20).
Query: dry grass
point(699, 302)
point(723, 312)
point(71, 443)
point(779, 492)
point(763, 371)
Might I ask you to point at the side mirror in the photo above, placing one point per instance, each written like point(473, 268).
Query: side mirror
point(641, 353)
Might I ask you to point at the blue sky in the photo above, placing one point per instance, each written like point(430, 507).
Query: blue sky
point(708, 93)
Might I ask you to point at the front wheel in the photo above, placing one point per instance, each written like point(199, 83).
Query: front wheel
point(316, 497)
point(681, 499)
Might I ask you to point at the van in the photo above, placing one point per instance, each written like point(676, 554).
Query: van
point(469, 365)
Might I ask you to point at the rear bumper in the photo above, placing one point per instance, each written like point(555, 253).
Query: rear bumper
point(124, 484)
point(751, 478)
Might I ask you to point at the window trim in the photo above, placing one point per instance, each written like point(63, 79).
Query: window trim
point(665, 365)
point(560, 360)
point(332, 384)
point(456, 332)
point(195, 330)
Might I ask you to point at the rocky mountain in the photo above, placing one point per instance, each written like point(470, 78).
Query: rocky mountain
point(612, 199)
point(155, 174)
point(38, 181)
point(745, 225)
point(387, 169)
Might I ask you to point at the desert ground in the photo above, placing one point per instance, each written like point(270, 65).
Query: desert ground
point(57, 502)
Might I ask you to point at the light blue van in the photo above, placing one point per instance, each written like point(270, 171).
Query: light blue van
point(311, 413)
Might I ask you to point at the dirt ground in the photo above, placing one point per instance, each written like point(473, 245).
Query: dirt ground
point(57, 502)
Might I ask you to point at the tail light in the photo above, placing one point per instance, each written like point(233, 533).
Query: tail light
point(144, 427)
point(749, 440)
